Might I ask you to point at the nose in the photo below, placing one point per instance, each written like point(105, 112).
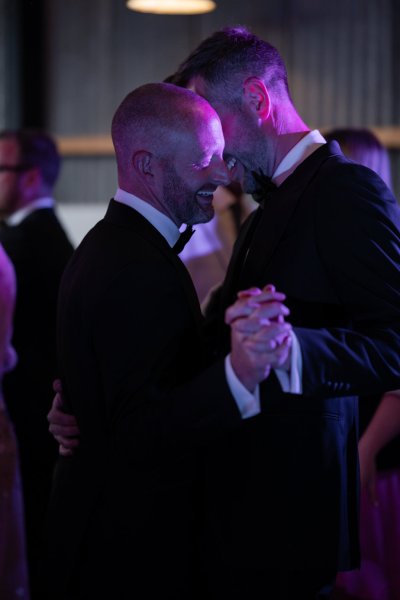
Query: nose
point(221, 174)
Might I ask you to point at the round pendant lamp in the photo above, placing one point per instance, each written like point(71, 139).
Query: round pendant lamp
point(172, 7)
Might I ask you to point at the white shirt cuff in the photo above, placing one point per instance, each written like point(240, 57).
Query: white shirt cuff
point(247, 403)
point(292, 381)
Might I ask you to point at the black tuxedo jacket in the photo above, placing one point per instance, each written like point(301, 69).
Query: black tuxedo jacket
point(39, 250)
point(125, 507)
point(286, 485)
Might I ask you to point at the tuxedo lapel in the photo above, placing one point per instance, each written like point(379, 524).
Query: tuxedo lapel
point(239, 252)
point(275, 217)
point(256, 245)
point(127, 217)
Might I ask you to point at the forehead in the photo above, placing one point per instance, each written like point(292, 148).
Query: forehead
point(207, 133)
point(9, 151)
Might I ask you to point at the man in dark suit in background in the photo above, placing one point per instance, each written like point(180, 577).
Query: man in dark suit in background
point(39, 249)
point(136, 372)
point(327, 234)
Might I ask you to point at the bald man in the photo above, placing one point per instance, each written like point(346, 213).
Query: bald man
point(126, 508)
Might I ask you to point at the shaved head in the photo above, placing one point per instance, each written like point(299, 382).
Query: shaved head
point(156, 117)
point(169, 147)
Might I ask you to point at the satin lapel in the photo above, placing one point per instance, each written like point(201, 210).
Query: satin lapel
point(127, 217)
point(275, 217)
point(278, 210)
point(239, 251)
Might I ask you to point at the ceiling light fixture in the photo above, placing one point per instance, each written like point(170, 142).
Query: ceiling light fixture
point(172, 7)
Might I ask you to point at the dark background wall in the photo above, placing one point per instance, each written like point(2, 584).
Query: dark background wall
point(67, 65)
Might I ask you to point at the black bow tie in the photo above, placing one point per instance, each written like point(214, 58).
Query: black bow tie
point(183, 239)
point(265, 187)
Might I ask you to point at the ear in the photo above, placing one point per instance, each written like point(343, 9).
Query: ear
point(31, 183)
point(143, 163)
point(31, 176)
point(256, 97)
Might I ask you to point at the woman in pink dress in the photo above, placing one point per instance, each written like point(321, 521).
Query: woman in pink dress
point(13, 569)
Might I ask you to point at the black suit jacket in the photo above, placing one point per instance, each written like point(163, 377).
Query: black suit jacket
point(125, 507)
point(39, 250)
point(287, 483)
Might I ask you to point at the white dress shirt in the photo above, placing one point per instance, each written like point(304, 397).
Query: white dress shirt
point(302, 150)
point(292, 381)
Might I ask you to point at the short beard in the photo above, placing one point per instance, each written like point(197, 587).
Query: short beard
point(180, 200)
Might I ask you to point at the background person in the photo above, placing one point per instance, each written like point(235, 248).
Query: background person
point(378, 577)
point(13, 566)
point(209, 252)
point(39, 250)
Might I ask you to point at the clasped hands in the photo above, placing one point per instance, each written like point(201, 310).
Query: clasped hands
point(260, 338)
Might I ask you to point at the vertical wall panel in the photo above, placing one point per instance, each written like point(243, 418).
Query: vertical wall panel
point(10, 101)
point(3, 64)
point(342, 65)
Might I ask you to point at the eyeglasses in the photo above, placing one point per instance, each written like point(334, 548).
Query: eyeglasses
point(15, 168)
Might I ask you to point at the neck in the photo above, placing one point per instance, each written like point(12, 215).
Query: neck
point(286, 142)
point(148, 195)
point(281, 132)
point(288, 130)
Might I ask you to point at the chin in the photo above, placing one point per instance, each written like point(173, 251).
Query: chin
point(203, 216)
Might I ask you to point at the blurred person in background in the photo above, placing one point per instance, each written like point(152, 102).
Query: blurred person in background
point(209, 252)
point(364, 148)
point(379, 447)
point(13, 567)
point(39, 250)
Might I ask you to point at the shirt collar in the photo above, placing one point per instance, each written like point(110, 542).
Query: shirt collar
point(19, 215)
point(164, 225)
point(306, 146)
